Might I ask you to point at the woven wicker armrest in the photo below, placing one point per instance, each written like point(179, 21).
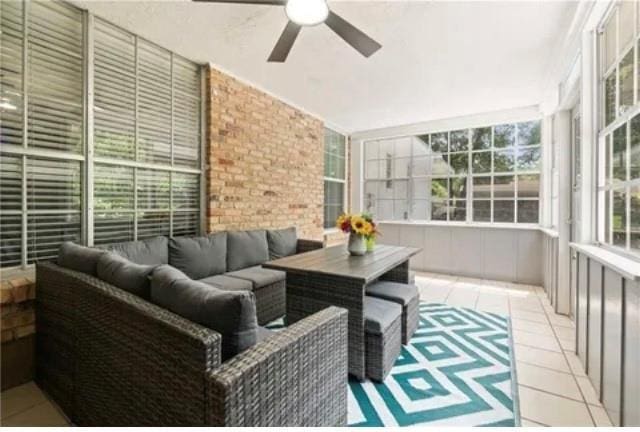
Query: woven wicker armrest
point(308, 245)
point(135, 363)
point(297, 377)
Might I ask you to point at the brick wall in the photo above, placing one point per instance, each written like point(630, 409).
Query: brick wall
point(265, 161)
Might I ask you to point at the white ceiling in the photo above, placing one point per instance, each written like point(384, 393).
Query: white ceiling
point(438, 60)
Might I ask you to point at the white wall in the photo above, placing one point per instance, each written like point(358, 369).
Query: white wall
point(487, 252)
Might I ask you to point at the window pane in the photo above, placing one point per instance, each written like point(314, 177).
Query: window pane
point(620, 154)
point(625, 82)
point(11, 42)
point(529, 159)
point(634, 127)
point(439, 210)
point(371, 150)
point(610, 99)
point(482, 187)
point(55, 77)
point(481, 162)
point(421, 166)
point(482, 211)
point(421, 146)
point(504, 136)
point(373, 171)
point(440, 142)
point(186, 223)
point(626, 18)
point(45, 233)
point(459, 162)
point(528, 211)
point(186, 113)
point(503, 187)
point(420, 188)
point(153, 189)
point(439, 189)
point(401, 189)
point(384, 210)
point(503, 211)
point(504, 161)
point(53, 184)
point(634, 218)
point(420, 210)
point(619, 219)
point(528, 186)
point(457, 210)
point(459, 141)
point(400, 210)
point(440, 165)
point(458, 187)
point(529, 133)
point(401, 167)
point(152, 224)
point(610, 42)
point(112, 227)
point(481, 138)
point(113, 187)
point(10, 182)
point(186, 191)
point(10, 239)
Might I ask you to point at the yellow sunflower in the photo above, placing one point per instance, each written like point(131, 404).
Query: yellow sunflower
point(358, 224)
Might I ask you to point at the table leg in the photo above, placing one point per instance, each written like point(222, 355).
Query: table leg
point(310, 293)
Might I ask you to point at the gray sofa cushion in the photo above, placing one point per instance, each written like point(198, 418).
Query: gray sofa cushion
point(379, 314)
point(259, 276)
point(264, 334)
point(152, 251)
point(79, 258)
point(230, 313)
point(199, 257)
point(125, 274)
point(246, 249)
point(393, 291)
point(282, 243)
point(228, 283)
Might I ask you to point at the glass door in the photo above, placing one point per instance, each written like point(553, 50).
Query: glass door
point(575, 198)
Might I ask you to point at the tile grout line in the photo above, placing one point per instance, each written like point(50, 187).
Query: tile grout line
point(553, 394)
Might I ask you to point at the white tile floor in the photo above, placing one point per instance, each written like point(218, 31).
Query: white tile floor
point(553, 388)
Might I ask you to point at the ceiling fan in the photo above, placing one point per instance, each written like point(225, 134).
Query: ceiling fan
point(304, 13)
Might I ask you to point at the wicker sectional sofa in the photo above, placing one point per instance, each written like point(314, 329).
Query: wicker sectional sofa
point(109, 357)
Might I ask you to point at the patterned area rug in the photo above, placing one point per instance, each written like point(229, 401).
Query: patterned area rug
point(458, 370)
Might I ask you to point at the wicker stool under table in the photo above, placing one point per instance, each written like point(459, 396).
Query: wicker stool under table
point(382, 322)
point(406, 296)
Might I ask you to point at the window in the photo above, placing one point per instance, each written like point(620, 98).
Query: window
point(486, 174)
point(334, 176)
point(144, 173)
point(619, 137)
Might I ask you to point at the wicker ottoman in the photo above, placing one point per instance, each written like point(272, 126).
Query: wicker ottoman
point(406, 296)
point(383, 328)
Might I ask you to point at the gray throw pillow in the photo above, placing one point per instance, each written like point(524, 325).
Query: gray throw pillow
point(199, 257)
point(152, 251)
point(230, 313)
point(80, 258)
point(246, 249)
point(124, 274)
point(282, 243)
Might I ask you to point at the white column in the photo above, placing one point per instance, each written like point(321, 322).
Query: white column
point(562, 126)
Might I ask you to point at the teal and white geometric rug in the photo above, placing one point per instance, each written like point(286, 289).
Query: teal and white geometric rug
point(458, 370)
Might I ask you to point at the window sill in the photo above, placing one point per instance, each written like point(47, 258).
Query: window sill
point(527, 227)
point(626, 267)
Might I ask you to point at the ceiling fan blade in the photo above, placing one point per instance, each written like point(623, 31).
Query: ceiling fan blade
point(351, 35)
point(253, 2)
point(285, 42)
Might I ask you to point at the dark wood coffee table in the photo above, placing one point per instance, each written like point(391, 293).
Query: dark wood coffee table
point(332, 277)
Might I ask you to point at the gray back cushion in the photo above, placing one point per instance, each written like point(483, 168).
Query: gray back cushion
point(230, 313)
point(246, 249)
point(282, 243)
point(199, 257)
point(152, 251)
point(125, 274)
point(79, 258)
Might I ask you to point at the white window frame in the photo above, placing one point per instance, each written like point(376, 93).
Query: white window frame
point(344, 181)
point(86, 156)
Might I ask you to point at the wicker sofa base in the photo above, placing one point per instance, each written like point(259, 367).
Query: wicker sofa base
point(383, 350)
point(271, 302)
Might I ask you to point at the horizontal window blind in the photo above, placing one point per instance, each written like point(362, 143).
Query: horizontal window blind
point(146, 134)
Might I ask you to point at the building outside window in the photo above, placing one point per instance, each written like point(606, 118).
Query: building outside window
point(334, 176)
point(486, 174)
point(137, 162)
point(619, 136)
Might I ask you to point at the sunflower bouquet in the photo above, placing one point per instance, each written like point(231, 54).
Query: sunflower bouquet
point(359, 225)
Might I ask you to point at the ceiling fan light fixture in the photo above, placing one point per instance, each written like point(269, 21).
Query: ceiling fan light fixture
point(307, 12)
